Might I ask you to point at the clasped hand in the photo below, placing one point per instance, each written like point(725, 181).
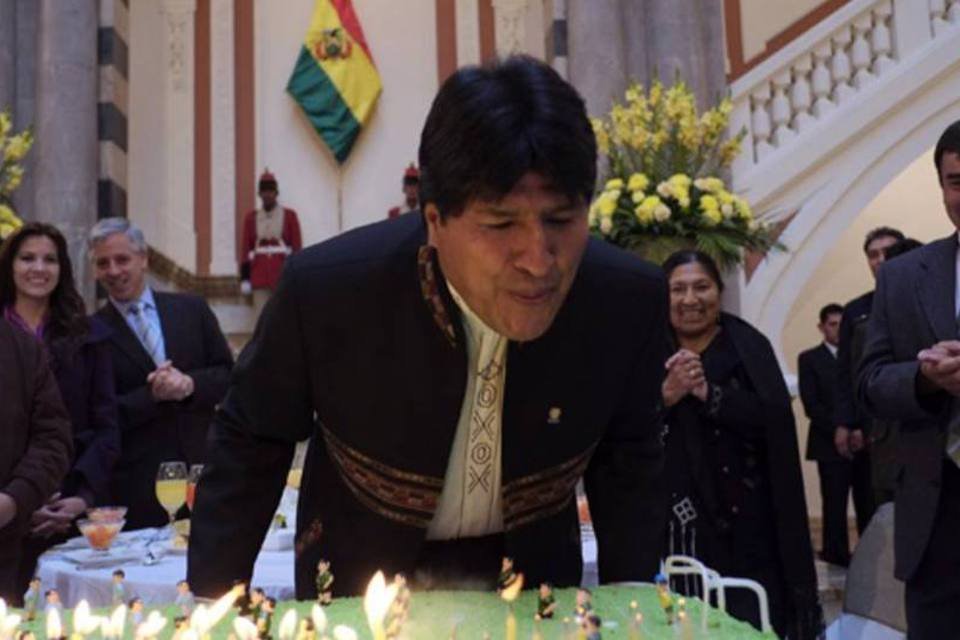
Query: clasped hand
point(940, 366)
point(169, 383)
point(684, 376)
point(56, 515)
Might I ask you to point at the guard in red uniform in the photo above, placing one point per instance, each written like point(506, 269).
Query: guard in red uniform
point(270, 234)
point(411, 192)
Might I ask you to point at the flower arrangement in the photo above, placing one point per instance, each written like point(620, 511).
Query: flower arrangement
point(661, 190)
point(13, 148)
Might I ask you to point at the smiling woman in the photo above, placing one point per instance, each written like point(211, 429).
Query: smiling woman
point(39, 297)
point(732, 453)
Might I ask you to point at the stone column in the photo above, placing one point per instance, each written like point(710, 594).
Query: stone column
point(65, 152)
point(8, 59)
point(26, 101)
point(613, 42)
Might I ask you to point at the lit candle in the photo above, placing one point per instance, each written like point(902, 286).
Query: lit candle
point(343, 632)
point(150, 627)
point(376, 603)
point(112, 627)
point(686, 629)
point(288, 625)
point(8, 622)
point(83, 622)
point(509, 594)
point(54, 626)
point(636, 626)
point(319, 618)
point(246, 630)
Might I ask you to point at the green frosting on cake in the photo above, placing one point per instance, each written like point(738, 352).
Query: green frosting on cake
point(435, 614)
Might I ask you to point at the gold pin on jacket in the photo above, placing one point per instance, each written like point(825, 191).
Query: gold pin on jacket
point(553, 415)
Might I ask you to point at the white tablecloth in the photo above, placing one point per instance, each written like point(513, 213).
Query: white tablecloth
point(154, 583)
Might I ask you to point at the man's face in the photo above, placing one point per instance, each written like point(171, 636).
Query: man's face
point(875, 251)
point(119, 267)
point(269, 198)
point(830, 328)
point(514, 260)
point(950, 184)
point(411, 192)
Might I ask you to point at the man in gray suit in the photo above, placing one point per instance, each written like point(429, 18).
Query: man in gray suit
point(910, 372)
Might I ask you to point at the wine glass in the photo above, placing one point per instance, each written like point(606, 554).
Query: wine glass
point(171, 486)
point(196, 470)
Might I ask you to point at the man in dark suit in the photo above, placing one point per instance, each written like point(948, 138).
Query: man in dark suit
point(910, 372)
point(817, 373)
point(459, 372)
point(853, 426)
point(171, 365)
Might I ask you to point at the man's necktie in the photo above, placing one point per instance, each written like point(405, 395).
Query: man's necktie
point(148, 335)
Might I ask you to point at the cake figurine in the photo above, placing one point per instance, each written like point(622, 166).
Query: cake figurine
point(185, 601)
point(135, 606)
point(546, 603)
point(265, 618)
point(242, 602)
point(507, 574)
point(31, 599)
point(257, 597)
point(591, 626)
point(664, 595)
point(52, 598)
point(307, 630)
point(584, 605)
point(118, 593)
point(324, 582)
point(399, 608)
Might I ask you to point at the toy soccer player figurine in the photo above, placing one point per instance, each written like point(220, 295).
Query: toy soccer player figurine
point(546, 603)
point(31, 599)
point(584, 605)
point(257, 598)
point(185, 600)
point(507, 574)
point(119, 590)
point(136, 612)
point(265, 618)
point(324, 582)
point(243, 600)
point(52, 597)
point(591, 627)
point(665, 597)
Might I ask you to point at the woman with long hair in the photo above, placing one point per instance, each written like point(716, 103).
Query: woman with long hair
point(736, 498)
point(39, 296)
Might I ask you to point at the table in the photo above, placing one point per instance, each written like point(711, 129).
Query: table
point(155, 583)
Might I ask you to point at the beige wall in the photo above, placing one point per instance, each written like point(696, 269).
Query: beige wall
point(762, 19)
point(912, 203)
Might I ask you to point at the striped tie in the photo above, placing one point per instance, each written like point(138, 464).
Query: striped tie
point(149, 337)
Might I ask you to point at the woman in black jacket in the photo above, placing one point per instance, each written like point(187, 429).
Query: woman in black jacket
point(38, 295)
point(736, 498)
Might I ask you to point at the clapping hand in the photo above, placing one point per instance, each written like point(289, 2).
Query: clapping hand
point(684, 376)
point(169, 383)
point(940, 366)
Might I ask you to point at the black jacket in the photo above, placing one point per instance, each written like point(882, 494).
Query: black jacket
point(153, 432)
point(856, 314)
point(362, 348)
point(817, 373)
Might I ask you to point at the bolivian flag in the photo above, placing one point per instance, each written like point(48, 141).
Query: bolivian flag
point(335, 81)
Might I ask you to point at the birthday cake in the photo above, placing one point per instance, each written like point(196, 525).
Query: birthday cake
point(443, 615)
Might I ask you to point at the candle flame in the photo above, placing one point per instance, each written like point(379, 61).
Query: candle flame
point(510, 593)
point(8, 625)
point(377, 601)
point(222, 607)
point(245, 629)
point(83, 622)
point(150, 627)
point(288, 625)
point(3, 608)
point(319, 618)
point(54, 626)
point(343, 632)
point(200, 620)
point(113, 626)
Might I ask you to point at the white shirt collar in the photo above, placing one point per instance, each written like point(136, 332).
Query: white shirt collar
point(832, 349)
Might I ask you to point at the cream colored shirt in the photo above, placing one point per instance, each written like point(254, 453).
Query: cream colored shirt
point(470, 504)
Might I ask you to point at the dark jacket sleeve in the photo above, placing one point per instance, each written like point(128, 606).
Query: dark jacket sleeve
point(268, 408)
point(95, 465)
point(211, 380)
point(624, 481)
point(49, 448)
point(846, 410)
point(818, 413)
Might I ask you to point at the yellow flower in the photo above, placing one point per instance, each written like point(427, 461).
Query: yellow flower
point(709, 202)
point(680, 180)
point(665, 189)
point(709, 185)
point(17, 147)
point(614, 184)
point(606, 226)
point(5, 123)
point(661, 213)
point(607, 203)
point(638, 182)
point(633, 93)
point(712, 216)
point(743, 208)
point(13, 182)
point(643, 214)
point(602, 135)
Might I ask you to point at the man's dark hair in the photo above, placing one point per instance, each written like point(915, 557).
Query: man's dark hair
point(901, 247)
point(689, 256)
point(881, 232)
point(949, 142)
point(828, 310)
point(491, 125)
